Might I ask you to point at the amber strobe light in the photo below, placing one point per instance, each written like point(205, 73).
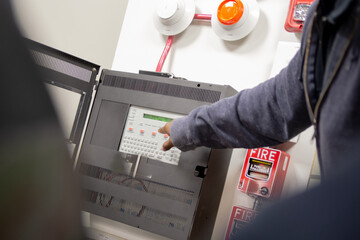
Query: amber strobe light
point(230, 11)
point(235, 19)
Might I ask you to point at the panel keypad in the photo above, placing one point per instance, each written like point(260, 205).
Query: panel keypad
point(141, 135)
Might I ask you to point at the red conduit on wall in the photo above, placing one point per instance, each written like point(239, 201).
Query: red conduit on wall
point(203, 17)
point(171, 39)
point(165, 53)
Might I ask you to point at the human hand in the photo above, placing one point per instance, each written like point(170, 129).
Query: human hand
point(166, 130)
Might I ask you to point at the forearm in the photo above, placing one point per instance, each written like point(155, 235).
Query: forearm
point(266, 115)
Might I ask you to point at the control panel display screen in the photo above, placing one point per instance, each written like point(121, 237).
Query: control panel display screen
point(157, 118)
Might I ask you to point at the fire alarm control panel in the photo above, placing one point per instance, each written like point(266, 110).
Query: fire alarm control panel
point(125, 176)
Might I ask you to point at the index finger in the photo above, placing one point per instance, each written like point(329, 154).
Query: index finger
point(162, 130)
point(165, 129)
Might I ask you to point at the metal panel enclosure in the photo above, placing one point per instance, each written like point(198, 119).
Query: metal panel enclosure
point(174, 200)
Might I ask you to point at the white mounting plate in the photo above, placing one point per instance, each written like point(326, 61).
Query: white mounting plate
point(174, 16)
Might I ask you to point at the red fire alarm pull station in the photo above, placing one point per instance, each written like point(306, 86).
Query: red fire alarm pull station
point(264, 172)
point(297, 14)
point(240, 217)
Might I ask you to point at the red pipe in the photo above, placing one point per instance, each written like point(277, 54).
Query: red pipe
point(171, 39)
point(202, 17)
point(165, 53)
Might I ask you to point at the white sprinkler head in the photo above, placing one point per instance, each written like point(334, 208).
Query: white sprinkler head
point(174, 16)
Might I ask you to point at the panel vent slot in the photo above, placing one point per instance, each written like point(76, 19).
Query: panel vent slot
point(167, 89)
point(61, 66)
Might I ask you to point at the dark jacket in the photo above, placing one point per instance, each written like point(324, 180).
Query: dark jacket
point(282, 107)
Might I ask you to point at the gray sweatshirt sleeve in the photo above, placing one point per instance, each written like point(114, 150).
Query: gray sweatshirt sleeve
point(266, 115)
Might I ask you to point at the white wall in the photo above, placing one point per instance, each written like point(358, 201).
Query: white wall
point(88, 29)
point(199, 55)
